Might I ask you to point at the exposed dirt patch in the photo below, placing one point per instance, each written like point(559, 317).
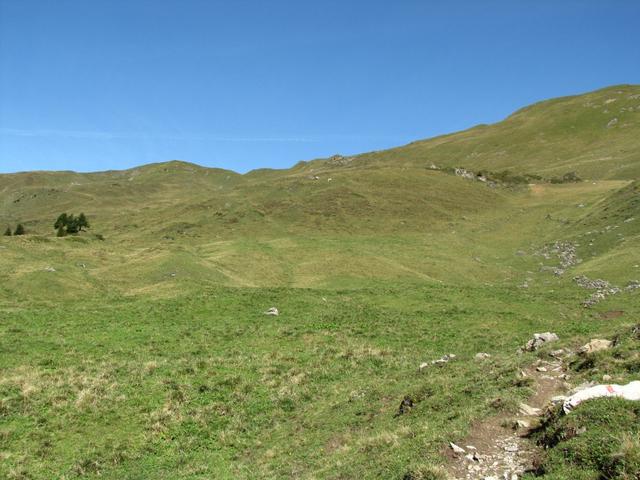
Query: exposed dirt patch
point(497, 447)
point(611, 314)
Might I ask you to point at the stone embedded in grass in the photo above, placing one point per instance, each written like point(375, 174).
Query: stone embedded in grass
point(272, 311)
point(595, 345)
point(540, 339)
point(405, 406)
point(482, 356)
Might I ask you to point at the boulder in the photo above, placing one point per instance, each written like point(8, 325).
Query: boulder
point(529, 411)
point(630, 391)
point(595, 345)
point(540, 339)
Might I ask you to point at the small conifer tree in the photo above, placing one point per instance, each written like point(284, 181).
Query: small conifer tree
point(82, 222)
point(19, 230)
point(7, 232)
point(72, 224)
point(61, 221)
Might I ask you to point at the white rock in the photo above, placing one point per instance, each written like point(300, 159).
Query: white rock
point(528, 410)
point(456, 448)
point(272, 311)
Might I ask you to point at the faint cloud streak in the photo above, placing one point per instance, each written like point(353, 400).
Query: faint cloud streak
point(99, 135)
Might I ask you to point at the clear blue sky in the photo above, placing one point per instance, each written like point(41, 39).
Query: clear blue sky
point(95, 85)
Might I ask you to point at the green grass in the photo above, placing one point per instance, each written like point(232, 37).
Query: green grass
point(209, 386)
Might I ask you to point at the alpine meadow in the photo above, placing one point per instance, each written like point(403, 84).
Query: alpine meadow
point(404, 285)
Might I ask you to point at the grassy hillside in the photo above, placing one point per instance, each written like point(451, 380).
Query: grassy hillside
point(139, 349)
point(595, 135)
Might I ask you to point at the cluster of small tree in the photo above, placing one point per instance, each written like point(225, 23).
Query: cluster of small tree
point(70, 224)
point(18, 231)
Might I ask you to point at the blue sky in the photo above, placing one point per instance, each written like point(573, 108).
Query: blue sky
point(97, 85)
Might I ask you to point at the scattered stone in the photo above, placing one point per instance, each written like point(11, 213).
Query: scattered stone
point(482, 356)
point(565, 252)
point(49, 269)
point(444, 359)
point(595, 345)
point(602, 289)
point(461, 172)
point(541, 369)
point(606, 378)
point(272, 311)
point(524, 424)
point(339, 160)
point(539, 339)
point(612, 122)
point(632, 285)
point(423, 365)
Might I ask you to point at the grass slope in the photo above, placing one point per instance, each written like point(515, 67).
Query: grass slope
point(595, 135)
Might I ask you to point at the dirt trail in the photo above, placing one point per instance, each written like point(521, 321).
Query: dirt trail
point(495, 450)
